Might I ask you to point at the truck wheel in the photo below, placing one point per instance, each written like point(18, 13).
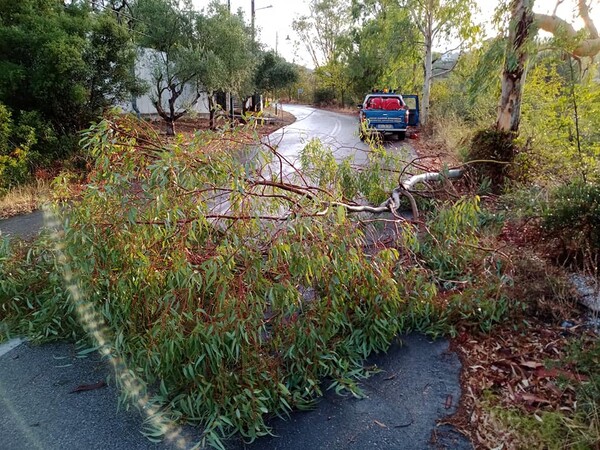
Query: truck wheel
point(401, 135)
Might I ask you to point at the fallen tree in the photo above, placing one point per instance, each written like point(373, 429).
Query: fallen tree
point(225, 292)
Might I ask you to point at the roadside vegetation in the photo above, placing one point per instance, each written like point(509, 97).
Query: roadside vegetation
point(229, 293)
point(65, 64)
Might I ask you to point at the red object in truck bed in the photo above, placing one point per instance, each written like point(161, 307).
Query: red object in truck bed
point(392, 104)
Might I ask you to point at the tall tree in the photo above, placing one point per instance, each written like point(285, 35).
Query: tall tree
point(385, 50)
point(523, 27)
point(440, 21)
point(230, 54)
point(513, 75)
point(192, 54)
point(324, 33)
point(273, 73)
point(165, 31)
point(320, 31)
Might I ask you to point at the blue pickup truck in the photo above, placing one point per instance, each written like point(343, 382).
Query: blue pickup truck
point(388, 113)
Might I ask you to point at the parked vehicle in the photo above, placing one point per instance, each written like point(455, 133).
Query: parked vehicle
point(385, 112)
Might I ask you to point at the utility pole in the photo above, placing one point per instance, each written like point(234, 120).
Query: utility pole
point(231, 112)
point(253, 26)
point(252, 16)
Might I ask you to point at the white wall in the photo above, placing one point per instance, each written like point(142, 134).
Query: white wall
point(146, 62)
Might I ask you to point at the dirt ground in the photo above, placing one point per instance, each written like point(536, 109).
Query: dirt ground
point(264, 124)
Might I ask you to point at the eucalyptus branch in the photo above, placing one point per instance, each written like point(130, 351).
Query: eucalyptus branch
point(558, 3)
point(584, 13)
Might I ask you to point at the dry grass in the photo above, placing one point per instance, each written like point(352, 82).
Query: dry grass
point(452, 134)
point(24, 199)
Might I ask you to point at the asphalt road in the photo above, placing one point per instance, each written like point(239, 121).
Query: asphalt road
point(337, 131)
point(26, 226)
point(418, 385)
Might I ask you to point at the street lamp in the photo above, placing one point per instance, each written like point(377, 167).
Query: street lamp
point(253, 14)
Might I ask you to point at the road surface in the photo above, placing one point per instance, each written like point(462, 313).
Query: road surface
point(337, 131)
point(418, 385)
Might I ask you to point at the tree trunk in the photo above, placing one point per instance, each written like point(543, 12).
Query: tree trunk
point(424, 113)
point(171, 120)
point(513, 76)
point(170, 127)
point(211, 111)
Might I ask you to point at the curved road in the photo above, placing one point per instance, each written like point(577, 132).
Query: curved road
point(337, 131)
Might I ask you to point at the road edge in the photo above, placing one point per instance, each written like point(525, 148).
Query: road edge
point(10, 345)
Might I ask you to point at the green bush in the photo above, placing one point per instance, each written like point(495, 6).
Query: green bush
point(324, 96)
point(15, 156)
point(573, 214)
point(559, 142)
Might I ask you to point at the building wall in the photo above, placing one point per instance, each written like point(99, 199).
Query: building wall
point(146, 62)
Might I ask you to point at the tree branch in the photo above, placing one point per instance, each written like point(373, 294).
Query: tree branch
point(558, 3)
point(552, 24)
point(584, 13)
point(444, 72)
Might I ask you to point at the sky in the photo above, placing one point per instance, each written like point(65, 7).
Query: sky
point(273, 24)
point(274, 20)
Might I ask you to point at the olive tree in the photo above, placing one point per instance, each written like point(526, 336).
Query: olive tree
point(192, 54)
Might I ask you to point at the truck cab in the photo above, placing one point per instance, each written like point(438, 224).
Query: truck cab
point(385, 112)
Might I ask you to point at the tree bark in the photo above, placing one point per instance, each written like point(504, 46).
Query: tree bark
point(172, 99)
point(424, 113)
point(587, 48)
point(513, 76)
point(170, 127)
point(211, 111)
